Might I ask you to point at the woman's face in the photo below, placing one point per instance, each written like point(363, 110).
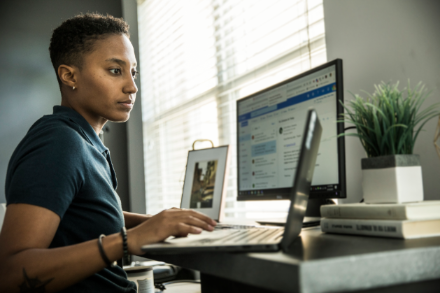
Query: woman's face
point(105, 88)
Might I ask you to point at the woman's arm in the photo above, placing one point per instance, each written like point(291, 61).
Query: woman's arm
point(27, 264)
point(133, 219)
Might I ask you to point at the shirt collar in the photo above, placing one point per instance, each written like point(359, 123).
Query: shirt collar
point(82, 122)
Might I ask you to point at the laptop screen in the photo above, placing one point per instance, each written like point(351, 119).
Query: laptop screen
point(303, 179)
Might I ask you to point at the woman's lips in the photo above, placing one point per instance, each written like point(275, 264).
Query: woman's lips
point(128, 105)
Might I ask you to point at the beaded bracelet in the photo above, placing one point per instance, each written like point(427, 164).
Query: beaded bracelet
point(125, 246)
point(102, 252)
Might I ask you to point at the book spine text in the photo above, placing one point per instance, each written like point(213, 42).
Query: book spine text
point(363, 227)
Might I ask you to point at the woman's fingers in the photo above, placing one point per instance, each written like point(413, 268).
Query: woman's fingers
point(183, 230)
point(202, 217)
point(190, 217)
point(197, 223)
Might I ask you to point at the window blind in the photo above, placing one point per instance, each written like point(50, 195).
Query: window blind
point(198, 57)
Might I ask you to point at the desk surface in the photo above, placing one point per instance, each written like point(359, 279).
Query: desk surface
point(319, 262)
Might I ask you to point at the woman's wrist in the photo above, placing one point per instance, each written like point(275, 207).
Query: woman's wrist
point(102, 252)
point(132, 243)
point(112, 246)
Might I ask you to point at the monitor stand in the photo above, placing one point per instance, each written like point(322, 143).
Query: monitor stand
point(311, 218)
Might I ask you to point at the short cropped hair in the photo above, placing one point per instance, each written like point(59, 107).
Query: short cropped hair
point(77, 35)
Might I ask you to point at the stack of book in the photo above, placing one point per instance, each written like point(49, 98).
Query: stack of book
point(405, 220)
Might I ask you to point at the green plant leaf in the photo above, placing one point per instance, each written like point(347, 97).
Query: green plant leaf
point(386, 120)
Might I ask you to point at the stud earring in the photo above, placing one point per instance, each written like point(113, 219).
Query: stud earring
point(73, 88)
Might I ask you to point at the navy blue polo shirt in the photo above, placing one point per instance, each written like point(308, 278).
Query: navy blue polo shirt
point(62, 165)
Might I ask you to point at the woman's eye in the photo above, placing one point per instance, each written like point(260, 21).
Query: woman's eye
point(134, 73)
point(115, 71)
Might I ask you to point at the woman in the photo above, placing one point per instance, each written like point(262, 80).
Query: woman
point(60, 185)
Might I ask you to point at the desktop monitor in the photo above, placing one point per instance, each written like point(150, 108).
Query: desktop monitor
point(269, 129)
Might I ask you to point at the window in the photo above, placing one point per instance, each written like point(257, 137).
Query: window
point(198, 57)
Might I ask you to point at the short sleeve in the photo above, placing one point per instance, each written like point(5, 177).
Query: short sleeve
point(46, 168)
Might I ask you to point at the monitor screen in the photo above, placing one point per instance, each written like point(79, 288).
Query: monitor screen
point(269, 130)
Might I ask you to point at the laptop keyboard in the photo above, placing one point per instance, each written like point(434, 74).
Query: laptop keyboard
point(220, 226)
point(253, 235)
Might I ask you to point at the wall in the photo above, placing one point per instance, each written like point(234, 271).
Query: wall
point(28, 86)
point(387, 41)
point(134, 125)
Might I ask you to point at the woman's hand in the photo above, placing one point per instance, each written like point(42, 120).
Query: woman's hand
point(172, 222)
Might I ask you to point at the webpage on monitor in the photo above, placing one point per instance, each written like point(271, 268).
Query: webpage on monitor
point(270, 132)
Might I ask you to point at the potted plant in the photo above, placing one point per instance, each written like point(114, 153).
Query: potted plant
point(388, 123)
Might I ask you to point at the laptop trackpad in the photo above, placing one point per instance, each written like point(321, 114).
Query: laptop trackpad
point(196, 237)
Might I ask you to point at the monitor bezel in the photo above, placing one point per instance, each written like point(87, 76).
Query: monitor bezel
point(284, 193)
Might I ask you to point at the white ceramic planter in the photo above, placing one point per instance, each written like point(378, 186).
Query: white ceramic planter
point(392, 179)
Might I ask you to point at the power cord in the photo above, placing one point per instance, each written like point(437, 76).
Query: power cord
point(161, 286)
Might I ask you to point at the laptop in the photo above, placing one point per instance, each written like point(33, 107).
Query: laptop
point(259, 238)
point(207, 196)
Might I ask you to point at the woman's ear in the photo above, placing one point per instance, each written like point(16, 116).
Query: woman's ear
point(67, 75)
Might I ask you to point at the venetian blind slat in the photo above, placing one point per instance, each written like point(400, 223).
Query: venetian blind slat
point(198, 57)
